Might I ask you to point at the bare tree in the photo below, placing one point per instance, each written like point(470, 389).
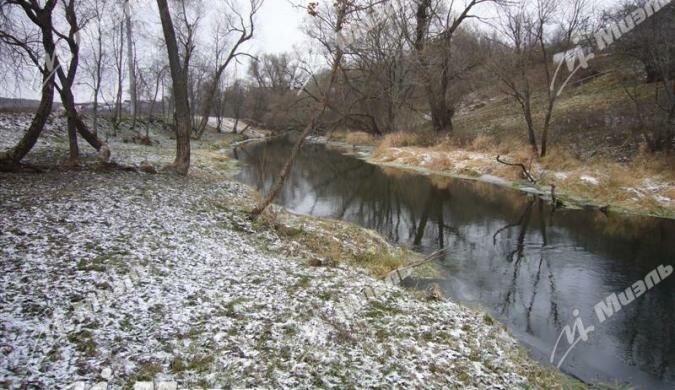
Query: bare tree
point(234, 99)
point(94, 61)
point(527, 48)
point(648, 42)
point(377, 76)
point(158, 71)
point(188, 18)
point(67, 79)
point(651, 43)
point(197, 76)
point(42, 18)
point(432, 43)
point(342, 10)
point(179, 78)
point(131, 60)
point(118, 55)
point(243, 27)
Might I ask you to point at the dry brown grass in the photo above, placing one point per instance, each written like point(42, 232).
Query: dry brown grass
point(353, 137)
point(560, 159)
point(335, 242)
point(636, 185)
point(359, 138)
point(403, 139)
point(656, 162)
point(670, 192)
point(449, 143)
point(338, 135)
point(483, 142)
point(440, 162)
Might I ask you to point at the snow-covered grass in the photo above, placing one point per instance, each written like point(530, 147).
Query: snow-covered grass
point(157, 277)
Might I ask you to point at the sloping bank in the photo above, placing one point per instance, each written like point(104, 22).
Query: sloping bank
point(118, 277)
point(613, 187)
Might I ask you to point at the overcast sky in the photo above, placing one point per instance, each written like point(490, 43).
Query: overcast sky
point(278, 29)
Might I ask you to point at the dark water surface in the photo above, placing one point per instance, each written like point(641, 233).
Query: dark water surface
point(510, 254)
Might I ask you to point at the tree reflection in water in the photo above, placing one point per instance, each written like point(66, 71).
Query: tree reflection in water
point(508, 253)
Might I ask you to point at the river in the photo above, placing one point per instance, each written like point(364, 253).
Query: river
point(508, 253)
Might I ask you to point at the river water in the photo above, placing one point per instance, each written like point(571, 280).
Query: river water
point(507, 253)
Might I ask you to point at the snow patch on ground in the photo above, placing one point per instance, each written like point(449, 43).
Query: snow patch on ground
point(156, 277)
point(589, 180)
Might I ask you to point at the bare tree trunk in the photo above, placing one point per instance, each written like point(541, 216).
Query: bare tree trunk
point(437, 80)
point(163, 105)
point(69, 104)
point(192, 104)
point(12, 157)
point(117, 118)
point(67, 98)
point(95, 115)
point(17, 153)
point(74, 154)
point(286, 170)
point(219, 113)
point(131, 63)
point(182, 110)
point(99, 69)
point(547, 125)
point(154, 97)
point(531, 135)
point(66, 85)
point(441, 114)
point(207, 105)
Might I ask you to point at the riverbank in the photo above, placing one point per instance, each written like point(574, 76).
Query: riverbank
point(119, 275)
point(643, 187)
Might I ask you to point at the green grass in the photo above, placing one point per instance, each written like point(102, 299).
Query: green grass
point(84, 342)
point(377, 309)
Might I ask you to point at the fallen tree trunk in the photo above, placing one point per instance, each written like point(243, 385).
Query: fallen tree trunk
point(525, 171)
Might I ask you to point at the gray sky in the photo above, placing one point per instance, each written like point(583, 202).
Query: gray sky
point(278, 29)
point(280, 24)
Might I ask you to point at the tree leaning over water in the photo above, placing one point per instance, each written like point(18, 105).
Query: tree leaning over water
point(342, 9)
